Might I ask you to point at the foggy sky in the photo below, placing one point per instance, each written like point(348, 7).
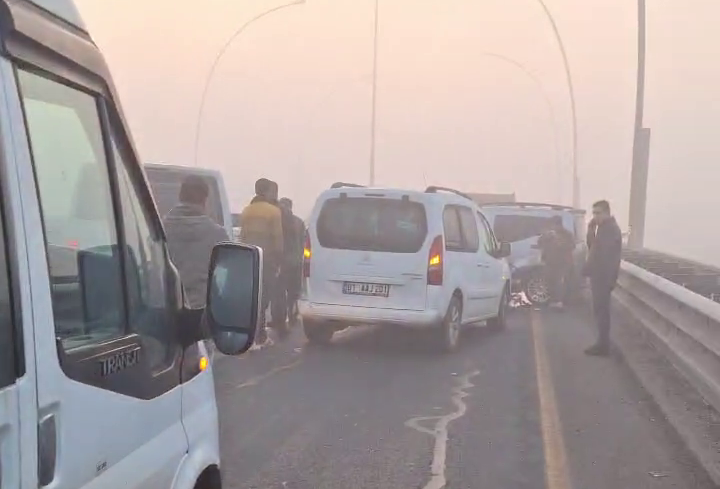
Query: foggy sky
point(291, 98)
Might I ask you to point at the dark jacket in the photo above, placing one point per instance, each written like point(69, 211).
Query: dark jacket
point(293, 237)
point(557, 247)
point(261, 225)
point(603, 263)
point(191, 236)
point(592, 228)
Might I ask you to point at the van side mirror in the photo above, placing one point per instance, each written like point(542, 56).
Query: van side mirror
point(234, 296)
point(504, 250)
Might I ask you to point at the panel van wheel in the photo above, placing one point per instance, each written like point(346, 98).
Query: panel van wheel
point(500, 321)
point(449, 332)
point(320, 334)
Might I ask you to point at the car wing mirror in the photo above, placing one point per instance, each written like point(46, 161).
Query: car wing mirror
point(504, 250)
point(234, 296)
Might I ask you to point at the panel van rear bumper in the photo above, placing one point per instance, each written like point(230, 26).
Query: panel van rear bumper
point(349, 315)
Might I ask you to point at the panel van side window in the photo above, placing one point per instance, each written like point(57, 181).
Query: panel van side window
point(469, 229)
point(71, 172)
point(453, 231)
point(489, 242)
point(8, 369)
point(149, 314)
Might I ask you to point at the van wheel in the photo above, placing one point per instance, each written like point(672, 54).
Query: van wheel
point(320, 334)
point(449, 332)
point(500, 321)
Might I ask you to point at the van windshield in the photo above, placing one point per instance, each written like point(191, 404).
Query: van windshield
point(372, 224)
point(165, 186)
point(512, 228)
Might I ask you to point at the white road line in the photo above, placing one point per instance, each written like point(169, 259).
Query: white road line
point(440, 430)
point(257, 379)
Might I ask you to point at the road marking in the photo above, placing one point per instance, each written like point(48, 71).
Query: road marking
point(556, 467)
point(440, 430)
point(257, 379)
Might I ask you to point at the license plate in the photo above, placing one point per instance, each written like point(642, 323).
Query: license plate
point(374, 290)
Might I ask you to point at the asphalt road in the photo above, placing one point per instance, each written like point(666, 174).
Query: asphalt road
point(517, 409)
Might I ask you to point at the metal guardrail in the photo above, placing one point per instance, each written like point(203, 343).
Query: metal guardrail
point(697, 277)
point(681, 323)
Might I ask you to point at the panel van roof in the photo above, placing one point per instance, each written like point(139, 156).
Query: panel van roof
point(64, 9)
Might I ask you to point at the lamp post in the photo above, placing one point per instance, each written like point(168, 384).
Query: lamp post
point(568, 77)
point(374, 93)
point(216, 62)
point(543, 92)
point(641, 145)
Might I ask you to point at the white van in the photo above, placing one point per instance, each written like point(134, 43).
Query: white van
point(104, 379)
point(401, 257)
point(165, 182)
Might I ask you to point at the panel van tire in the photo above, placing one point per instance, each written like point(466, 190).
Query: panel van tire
point(500, 321)
point(316, 333)
point(448, 335)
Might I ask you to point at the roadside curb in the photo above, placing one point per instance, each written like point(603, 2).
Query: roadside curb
point(695, 421)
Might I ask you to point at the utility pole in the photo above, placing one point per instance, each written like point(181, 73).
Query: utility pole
point(641, 145)
point(374, 96)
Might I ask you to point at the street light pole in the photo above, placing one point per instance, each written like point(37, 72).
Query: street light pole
point(641, 145)
point(374, 94)
point(568, 75)
point(543, 92)
point(216, 62)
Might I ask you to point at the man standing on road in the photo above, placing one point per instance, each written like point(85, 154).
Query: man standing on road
point(191, 236)
point(261, 225)
point(291, 270)
point(557, 246)
point(602, 268)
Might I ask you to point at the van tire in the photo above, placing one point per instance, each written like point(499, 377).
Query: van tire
point(209, 479)
point(316, 333)
point(448, 335)
point(500, 321)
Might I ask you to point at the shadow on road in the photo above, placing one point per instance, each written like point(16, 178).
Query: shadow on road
point(378, 341)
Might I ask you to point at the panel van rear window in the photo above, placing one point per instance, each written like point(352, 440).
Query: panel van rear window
point(372, 224)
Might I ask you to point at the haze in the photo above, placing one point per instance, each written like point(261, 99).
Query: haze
point(291, 98)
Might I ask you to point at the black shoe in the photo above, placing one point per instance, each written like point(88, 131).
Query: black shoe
point(598, 351)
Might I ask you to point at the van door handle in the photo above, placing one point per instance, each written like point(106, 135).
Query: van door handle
point(47, 450)
point(483, 265)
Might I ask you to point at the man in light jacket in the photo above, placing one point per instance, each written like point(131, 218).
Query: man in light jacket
point(191, 236)
point(261, 225)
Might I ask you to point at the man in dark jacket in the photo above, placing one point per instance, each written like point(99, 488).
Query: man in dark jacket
point(191, 236)
point(557, 245)
point(602, 268)
point(294, 242)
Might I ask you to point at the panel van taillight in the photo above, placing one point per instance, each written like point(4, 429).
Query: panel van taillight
point(435, 262)
point(307, 255)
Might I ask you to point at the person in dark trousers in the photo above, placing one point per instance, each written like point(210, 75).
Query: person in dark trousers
point(602, 268)
point(191, 236)
point(557, 245)
point(261, 225)
point(291, 272)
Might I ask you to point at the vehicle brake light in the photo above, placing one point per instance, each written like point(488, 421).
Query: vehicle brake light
point(435, 262)
point(307, 255)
